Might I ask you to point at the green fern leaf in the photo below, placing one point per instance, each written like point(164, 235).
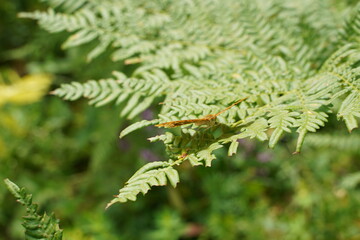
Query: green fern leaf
point(207, 154)
point(280, 121)
point(309, 121)
point(256, 49)
point(136, 126)
point(36, 226)
point(350, 108)
point(233, 147)
point(152, 174)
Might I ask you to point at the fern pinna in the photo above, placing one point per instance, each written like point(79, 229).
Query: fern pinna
point(296, 64)
point(36, 226)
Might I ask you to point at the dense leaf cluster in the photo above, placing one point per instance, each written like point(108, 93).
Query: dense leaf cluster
point(296, 64)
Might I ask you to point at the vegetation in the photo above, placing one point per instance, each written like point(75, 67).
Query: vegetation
point(296, 65)
point(37, 227)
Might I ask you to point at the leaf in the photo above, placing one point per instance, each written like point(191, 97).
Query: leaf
point(350, 108)
point(233, 147)
point(207, 155)
point(309, 121)
point(136, 126)
point(194, 161)
point(281, 120)
point(99, 49)
point(173, 176)
point(256, 129)
point(130, 104)
point(36, 226)
point(144, 104)
point(79, 38)
point(152, 174)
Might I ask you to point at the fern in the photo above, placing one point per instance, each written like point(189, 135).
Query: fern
point(136, 92)
point(296, 64)
point(336, 141)
point(36, 226)
point(152, 174)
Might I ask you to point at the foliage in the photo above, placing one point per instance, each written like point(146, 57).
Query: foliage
point(69, 156)
point(203, 55)
point(36, 226)
point(152, 174)
point(23, 90)
point(341, 142)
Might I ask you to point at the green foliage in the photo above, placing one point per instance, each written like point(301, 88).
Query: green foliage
point(62, 156)
point(249, 203)
point(294, 63)
point(152, 174)
point(24, 90)
point(137, 93)
point(341, 142)
point(36, 226)
point(169, 226)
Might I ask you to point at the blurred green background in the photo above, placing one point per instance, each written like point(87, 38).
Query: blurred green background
point(69, 156)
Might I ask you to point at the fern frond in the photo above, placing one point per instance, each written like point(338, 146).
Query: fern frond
point(68, 6)
point(152, 174)
point(351, 30)
point(136, 126)
point(203, 55)
point(280, 121)
point(309, 122)
point(336, 141)
point(36, 226)
point(350, 108)
point(138, 93)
